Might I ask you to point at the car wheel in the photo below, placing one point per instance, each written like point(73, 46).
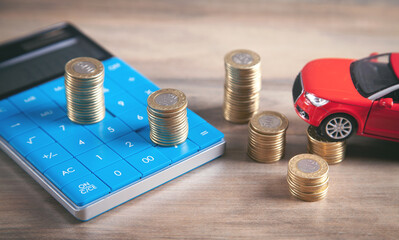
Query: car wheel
point(337, 127)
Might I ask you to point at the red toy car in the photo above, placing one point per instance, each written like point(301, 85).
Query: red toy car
point(340, 96)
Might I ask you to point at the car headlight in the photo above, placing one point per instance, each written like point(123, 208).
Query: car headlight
point(318, 102)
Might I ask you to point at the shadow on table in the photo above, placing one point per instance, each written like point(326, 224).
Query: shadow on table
point(370, 148)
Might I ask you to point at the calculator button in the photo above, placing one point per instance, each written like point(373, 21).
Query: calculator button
point(66, 172)
point(128, 78)
point(118, 175)
point(48, 156)
point(98, 158)
point(120, 103)
point(178, 152)
point(122, 74)
point(29, 99)
point(110, 88)
point(145, 133)
point(129, 144)
point(63, 128)
point(80, 143)
point(148, 161)
point(55, 89)
point(7, 109)
point(85, 190)
point(143, 90)
point(135, 119)
point(108, 130)
point(31, 141)
point(193, 119)
point(42, 115)
point(15, 125)
point(204, 135)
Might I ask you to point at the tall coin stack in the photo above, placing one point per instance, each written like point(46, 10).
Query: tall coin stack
point(242, 85)
point(332, 152)
point(307, 177)
point(266, 136)
point(84, 79)
point(167, 116)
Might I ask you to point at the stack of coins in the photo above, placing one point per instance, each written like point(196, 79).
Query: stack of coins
point(307, 177)
point(332, 152)
point(266, 136)
point(84, 79)
point(167, 115)
point(242, 85)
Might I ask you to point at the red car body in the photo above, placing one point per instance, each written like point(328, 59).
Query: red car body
point(375, 114)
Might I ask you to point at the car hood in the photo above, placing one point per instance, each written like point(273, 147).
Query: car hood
point(330, 79)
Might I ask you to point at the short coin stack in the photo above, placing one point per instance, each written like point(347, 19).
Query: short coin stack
point(242, 85)
point(308, 177)
point(332, 152)
point(167, 116)
point(266, 136)
point(84, 79)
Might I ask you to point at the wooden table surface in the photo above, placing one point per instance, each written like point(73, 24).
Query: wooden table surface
point(181, 44)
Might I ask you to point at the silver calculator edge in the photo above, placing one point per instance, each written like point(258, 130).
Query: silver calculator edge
point(124, 194)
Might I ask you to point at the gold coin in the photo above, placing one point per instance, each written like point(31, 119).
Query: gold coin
point(307, 177)
point(266, 136)
point(167, 116)
point(167, 100)
point(269, 122)
point(308, 166)
point(332, 152)
point(242, 85)
point(84, 78)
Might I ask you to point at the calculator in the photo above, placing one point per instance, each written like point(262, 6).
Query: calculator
point(88, 169)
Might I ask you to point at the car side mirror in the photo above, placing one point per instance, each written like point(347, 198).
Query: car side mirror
point(385, 102)
point(372, 55)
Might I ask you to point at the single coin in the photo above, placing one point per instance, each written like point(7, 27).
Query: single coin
point(308, 166)
point(269, 122)
point(242, 58)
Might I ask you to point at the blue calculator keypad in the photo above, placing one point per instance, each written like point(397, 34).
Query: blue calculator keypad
point(118, 175)
point(80, 143)
point(148, 161)
point(56, 91)
point(109, 129)
point(44, 114)
point(29, 99)
point(87, 162)
point(204, 135)
point(66, 172)
point(48, 156)
point(121, 103)
point(98, 158)
point(15, 125)
point(129, 144)
point(7, 109)
point(86, 189)
point(178, 152)
point(136, 118)
point(30, 141)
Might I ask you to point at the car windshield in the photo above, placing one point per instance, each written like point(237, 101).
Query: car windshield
point(373, 74)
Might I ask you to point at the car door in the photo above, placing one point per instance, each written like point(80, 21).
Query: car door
point(383, 119)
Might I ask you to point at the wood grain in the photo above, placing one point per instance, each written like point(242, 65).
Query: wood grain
point(181, 44)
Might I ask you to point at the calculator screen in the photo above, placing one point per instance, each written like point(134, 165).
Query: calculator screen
point(41, 57)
